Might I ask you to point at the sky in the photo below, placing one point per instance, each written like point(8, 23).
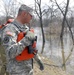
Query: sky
point(28, 2)
point(31, 3)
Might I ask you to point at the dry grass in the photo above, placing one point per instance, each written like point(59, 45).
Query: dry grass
point(50, 68)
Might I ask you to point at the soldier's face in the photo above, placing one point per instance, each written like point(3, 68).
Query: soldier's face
point(27, 17)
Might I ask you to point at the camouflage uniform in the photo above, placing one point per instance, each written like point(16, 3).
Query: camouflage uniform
point(12, 49)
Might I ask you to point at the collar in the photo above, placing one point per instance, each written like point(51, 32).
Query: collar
point(20, 26)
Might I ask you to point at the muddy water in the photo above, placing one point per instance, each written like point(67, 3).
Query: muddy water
point(53, 48)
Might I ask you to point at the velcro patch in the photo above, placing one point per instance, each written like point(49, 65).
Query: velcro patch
point(10, 33)
point(6, 39)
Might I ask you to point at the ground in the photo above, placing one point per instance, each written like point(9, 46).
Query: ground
point(50, 68)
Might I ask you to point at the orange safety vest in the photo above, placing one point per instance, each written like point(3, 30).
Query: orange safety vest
point(25, 55)
point(9, 21)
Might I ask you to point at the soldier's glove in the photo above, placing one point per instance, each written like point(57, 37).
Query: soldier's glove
point(30, 35)
point(30, 49)
point(27, 40)
point(39, 61)
point(41, 65)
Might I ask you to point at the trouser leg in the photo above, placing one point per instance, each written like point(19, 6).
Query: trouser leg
point(23, 73)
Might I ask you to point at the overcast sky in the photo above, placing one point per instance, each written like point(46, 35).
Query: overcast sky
point(31, 3)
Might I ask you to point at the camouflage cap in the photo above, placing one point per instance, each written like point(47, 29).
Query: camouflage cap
point(24, 7)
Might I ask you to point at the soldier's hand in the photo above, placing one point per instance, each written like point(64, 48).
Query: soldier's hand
point(30, 35)
point(41, 65)
point(39, 61)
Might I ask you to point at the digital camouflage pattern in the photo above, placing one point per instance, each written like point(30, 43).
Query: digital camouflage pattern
point(2, 58)
point(12, 49)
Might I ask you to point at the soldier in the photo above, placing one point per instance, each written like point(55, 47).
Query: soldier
point(2, 51)
point(14, 48)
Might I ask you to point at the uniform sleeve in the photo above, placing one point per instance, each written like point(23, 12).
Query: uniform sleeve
point(39, 61)
point(12, 48)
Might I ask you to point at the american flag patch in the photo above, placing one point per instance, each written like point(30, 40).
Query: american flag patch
point(9, 33)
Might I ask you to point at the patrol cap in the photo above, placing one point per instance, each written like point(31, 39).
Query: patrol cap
point(24, 7)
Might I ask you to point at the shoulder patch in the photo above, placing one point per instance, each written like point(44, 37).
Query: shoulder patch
point(9, 33)
point(6, 39)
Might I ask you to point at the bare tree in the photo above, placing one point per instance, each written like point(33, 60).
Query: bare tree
point(62, 31)
point(11, 8)
point(39, 14)
point(69, 26)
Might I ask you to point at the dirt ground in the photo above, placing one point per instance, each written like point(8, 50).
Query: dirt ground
point(50, 68)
